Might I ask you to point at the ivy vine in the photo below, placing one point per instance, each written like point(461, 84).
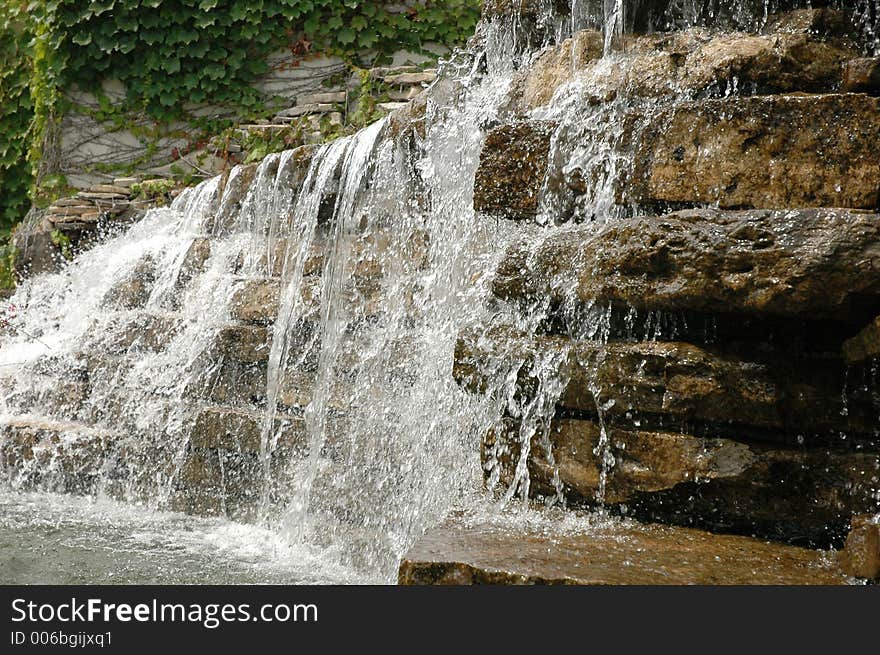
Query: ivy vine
point(16, 111)
point(169, 53)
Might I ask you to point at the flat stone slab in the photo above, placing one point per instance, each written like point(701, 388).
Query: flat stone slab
point(617, 553)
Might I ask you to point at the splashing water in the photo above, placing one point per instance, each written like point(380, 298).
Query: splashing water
point(378, 262)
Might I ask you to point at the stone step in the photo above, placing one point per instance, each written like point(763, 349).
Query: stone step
point(405, 79)
point(865, 345)
point(463, 551)
point(664, 65)
point(799, 495)
point(42, 453)
point(334, 97)
point(801, 263)
point(762, 152)
point(700, 390)
point(750, 154)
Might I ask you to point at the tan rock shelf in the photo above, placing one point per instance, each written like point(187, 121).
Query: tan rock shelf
point(461, 552)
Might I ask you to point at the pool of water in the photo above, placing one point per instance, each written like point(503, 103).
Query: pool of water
point(57, 539)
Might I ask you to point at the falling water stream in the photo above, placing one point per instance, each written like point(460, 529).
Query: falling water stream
point(381, 263)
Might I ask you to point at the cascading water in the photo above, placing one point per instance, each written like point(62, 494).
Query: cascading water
point(380, 262)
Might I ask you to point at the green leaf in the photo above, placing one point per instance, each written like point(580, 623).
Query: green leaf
point(82, 38)
point(346, 36)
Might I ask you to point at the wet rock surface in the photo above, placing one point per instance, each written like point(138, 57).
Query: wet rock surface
point(861, 554)
point(512, 168)
point(806, 262)
point(865, 345)
point(764, 152)
point(462, 552)
point(771, 398)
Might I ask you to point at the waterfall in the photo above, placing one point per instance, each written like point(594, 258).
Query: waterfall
point(378, 262)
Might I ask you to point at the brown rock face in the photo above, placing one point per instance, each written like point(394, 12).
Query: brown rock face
point(676, 383)
point(865, 345)
point(256, 301)
point(694, 62)
point(800, 495)
point(535, 86)
point(244, 343)
point(134, 291)
point(862, 76)
point(861, 554)
point(821, 263)
point(461, 552)
point(240, 431)
point(765, 152)
point(643, 461)
point(512, 168)
point(529, 9)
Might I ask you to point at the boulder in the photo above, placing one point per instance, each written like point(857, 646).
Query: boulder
point(764, 152)
point(143, 333)
point(693, 62)
point(865, 345)
point(522, 9)
point(800, 495)
point(133, 291)
point(862, 76)
point(817, 263)
point(467, 551)
point(535, 85)
point(244, 343)
point(658, 383)
point(512, 167)
point(237, 430)
point(256, 301)
point(861, 553)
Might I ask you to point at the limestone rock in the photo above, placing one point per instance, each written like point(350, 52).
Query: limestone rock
point(693, 62)
point(512, 167)
point(862, 76)
point(861, 554)
point(644, 461)
point(134, 291)
point(72, 202)
point(329, 98)
point(529, 9)
point(110, 189)
point(534, 86)
point(244, 343)
point(390, 106)
point(771, 398)
point(821, 263)
point(464, 551)
point(425, 77)
point(256, 301)
point(194, 261)
point(241, 431)
point(865, 345)
point(145, 333)
point(764, 152)
point(799, 495)
point(822, 22)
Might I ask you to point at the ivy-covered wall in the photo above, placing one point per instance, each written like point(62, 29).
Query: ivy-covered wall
point(15, 112)
point(166, 73)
